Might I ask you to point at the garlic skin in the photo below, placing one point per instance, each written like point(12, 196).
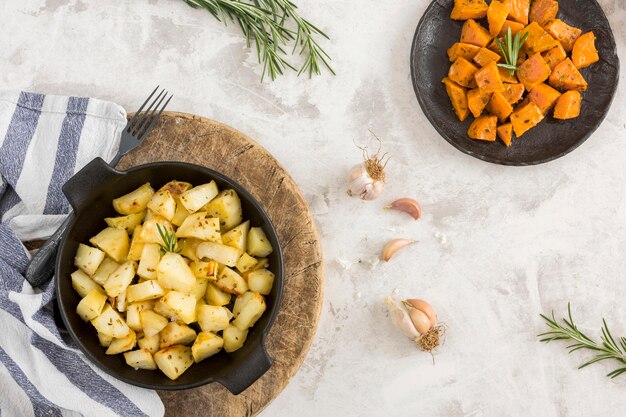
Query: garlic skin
point(400, 318)
point(362, 184)
point(393, 246)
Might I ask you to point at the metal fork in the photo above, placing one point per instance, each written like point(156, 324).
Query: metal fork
point(41, 268)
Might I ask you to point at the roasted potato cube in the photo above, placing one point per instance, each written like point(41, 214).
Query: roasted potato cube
point(213, 318)
point(120, 302)
point(140, 359)
point(197, 197)
point(128, 222)
point(199, 289)
point(206, 344)
point(204, 270)
point(198, 226)
point(189, 248)
point(227, 207)
point(149, 261)
point(152, 323)
point(104, 340)
point(106, 268)
point(150, 230)
point(246, 263)
point(176, 334)
point(91, 305)
point(135, 201)
point(231, 282)
point(163, 204)
point(136, 245)
point(122, 344)
point(149, 343)
point(182, 304)
point(234, 338)
point(83, 284)
point(217, 252)
point(110, 323)
point(114, 242)
point(88, 259)
point(250, 312)
point(241, 301)
point(180, 214)
point(176, 188)
point(120, 279)
point(260, 281)
point(133, 313)
point(147, 290)
point(237, 237)
point(215, 296)
point(258, 244)
point(173, 273)
point(174, 360)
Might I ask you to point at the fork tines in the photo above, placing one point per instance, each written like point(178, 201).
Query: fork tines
point(142, 122)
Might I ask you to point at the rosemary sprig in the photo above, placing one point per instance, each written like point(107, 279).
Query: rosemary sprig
point(170, 243)
point(608, 349)
point(510, 49)
point(265, 22)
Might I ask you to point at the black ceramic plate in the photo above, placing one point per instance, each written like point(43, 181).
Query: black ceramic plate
point(552, 138)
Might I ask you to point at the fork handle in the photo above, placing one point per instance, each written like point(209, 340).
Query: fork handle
point(41, 268)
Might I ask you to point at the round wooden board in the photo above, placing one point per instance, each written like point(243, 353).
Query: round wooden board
point(188, 138)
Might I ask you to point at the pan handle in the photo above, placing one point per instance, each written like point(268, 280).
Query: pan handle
point(82, 185)
point(255, 366)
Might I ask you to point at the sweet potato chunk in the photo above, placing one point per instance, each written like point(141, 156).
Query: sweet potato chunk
point(513, 92)
point(533, 71)
point(505, 133)
point(518, 10)
point(525, 117)
point(499, 106)
point(568, 105)
point(538, 39)
point(563, 32)
point(542, 11)
point(468, 9)
point(458, 98)
point(488, 79)
point(483, 128)
point(476, 101)
point(506, 76)
point(462, 72)
point(554, 56)
point(474, 34)
point(584, 52)
point(515, 27)
point(463, 50)
point(566, 77)
point(485, 56)
point(496, 15)
point(544, 97)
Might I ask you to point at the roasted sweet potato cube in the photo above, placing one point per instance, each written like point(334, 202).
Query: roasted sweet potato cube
point(524, 117)
point(518, 10)
point(538, 39)
point(499, 106)
point(533, 71)
point(563, 32)
point(488, 79)
point(474, 34)
point(476, 101)
point(544, 97)
point(468, 9)
point(485, 56)
point(554, 56)
point(542, 11)
point(568, 105)
point(505, 133)
point(584, 52)
point(506, 76)
point(483, 128)
point(515, 27)
point(513, 92)
point(493, 47)
point(566, 77)
point(496, 15)
point(462, 72)
point(458, 98)
point(463, 50)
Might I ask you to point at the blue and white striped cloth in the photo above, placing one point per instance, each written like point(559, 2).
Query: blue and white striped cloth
point(44, 140)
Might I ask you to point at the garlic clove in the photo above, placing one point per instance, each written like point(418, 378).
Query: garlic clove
point(400, 318)
point(424, 307)
point(395, 245)
point(420, 320)
point(407, 205)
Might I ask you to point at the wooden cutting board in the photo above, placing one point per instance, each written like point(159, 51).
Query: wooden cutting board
point(188, 138)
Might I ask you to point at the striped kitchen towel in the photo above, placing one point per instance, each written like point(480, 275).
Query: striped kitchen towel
point(44, 140)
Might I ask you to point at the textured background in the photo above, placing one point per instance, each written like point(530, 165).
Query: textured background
point(497, 245)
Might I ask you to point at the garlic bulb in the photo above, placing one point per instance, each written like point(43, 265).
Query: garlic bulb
point(416, 319)
point(400, 318)
point(367, 179)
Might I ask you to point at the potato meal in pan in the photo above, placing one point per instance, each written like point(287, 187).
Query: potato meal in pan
point(162, 276)
point(519, 64)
